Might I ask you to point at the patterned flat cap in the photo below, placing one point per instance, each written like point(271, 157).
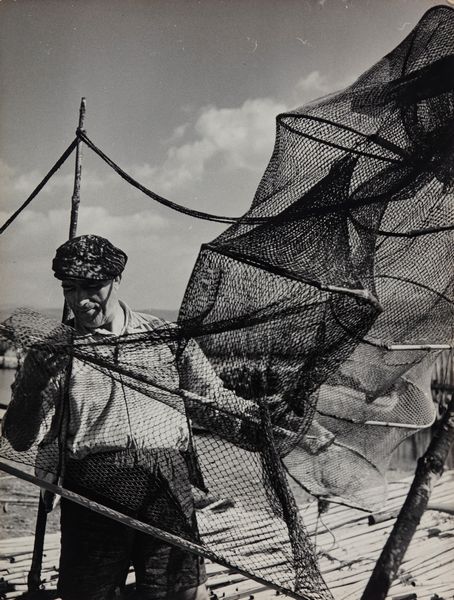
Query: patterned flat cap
point(88, 257)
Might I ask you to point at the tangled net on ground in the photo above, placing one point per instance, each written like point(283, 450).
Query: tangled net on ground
point(284, 348)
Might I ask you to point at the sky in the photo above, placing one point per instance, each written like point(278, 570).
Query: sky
point(183, 95)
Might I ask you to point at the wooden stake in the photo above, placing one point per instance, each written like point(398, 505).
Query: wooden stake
point(75, 199)
point(34, 575)
point(428, 471)
point(418, 346)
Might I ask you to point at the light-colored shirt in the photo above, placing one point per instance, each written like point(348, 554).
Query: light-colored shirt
point(108, 412)
point(105, 414)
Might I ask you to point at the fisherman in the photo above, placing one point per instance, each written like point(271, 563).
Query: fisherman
point(124, 449)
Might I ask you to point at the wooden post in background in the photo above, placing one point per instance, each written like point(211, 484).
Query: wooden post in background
point(428, 471)
point(34, 575)
point(75, 199)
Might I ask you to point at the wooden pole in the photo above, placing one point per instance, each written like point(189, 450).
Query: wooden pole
point(34, 575)
point(428, 471)
point(75, 199)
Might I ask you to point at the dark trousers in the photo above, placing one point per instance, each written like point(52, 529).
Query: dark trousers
point(96, 551)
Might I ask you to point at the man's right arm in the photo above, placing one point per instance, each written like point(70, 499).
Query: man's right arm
point(32, 407)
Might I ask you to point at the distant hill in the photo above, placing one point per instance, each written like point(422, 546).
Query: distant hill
point(56, 313)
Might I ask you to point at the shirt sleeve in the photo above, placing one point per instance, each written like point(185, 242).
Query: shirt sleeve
point(211, 405)
point(220, 410)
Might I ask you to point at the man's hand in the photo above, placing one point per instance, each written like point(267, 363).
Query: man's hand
point(43, 364)
point(33, 398)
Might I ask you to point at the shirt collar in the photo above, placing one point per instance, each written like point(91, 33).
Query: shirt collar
point(129, 324)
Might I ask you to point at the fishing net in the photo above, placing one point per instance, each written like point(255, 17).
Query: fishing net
point(359, 198)
point(128, 444)
point(286, 350)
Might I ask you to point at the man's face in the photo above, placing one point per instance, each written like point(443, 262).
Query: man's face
point(93, 303)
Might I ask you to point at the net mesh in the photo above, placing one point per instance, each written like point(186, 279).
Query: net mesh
point(128, 443)
point(282, 357)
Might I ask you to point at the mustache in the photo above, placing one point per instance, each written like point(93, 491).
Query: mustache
point(87, 307)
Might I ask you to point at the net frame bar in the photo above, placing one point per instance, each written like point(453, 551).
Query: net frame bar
point(142, 527)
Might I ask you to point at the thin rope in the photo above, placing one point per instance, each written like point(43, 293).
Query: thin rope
point(125, 400)
point(173, 205)
point(310, 212)
point(81, 135)
point(334, 541)
point(40, 185)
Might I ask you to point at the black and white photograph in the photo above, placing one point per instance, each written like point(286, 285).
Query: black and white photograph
point(227, 299)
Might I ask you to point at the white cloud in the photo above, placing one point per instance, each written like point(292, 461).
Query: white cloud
point(245, 135)
point(37, 226)
point(220, 140)
point(238, 138)
point(178, 133)
point(16, 186)
point(6, 175)
point(24, 183)
point(315, 84)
